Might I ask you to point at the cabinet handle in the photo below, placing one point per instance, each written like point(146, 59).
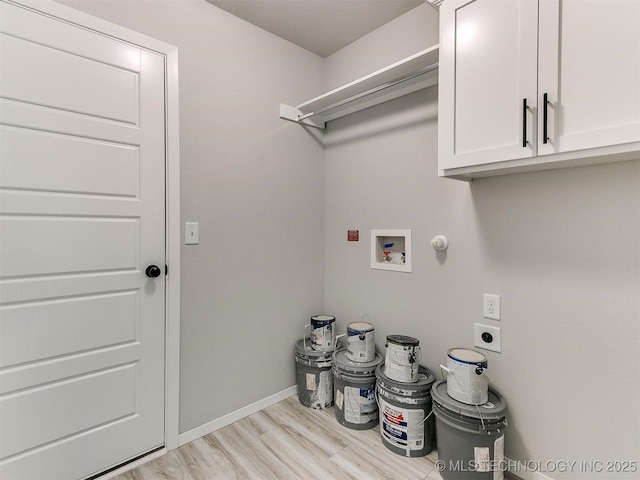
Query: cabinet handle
point(524, 123)
point(545, 102)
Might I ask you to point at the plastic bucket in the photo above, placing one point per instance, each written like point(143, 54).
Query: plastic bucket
point(323, 333)
point(354, 386)
point(470, 437)
point(313, 372)
point(407, 426)
point(466, 381)
point(361, 344)
point(402, 357)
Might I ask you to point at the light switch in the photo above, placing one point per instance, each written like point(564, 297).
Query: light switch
point(191, 233)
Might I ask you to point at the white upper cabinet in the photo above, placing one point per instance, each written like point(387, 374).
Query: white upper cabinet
point(589, 67)
point(537, 84)
point(488, 68)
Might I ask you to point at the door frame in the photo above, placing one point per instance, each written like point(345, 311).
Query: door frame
point(172, 194)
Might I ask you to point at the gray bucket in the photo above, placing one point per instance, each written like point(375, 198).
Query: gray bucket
point(313, 371)
point(407, 426)
point(470, 437)
point(355, 385)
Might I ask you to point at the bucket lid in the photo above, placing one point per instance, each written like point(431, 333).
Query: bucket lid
point(425, 378)
point(468, 356)
point(357, 328)
point(310, 352)
point(403, 340)
point(342, 363)
point(494, 409)
point(323, 318)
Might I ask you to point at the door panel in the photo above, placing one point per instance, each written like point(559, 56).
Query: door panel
point(576, 61)
point(81, 216)
point(79, 166)
point(66, 407)
point(491, 49)
point(98, 321)
point(59, 245)
point(101, 90)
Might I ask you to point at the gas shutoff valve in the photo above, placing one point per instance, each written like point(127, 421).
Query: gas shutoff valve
point(440, 243)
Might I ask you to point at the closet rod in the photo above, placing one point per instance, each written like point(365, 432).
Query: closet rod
point(417, 73)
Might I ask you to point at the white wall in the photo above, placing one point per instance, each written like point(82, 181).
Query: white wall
point(255, 184)
point(562, 248)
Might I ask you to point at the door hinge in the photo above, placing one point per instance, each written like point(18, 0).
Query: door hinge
point(166, 269)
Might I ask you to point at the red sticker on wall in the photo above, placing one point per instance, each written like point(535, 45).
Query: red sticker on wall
point(353, 235)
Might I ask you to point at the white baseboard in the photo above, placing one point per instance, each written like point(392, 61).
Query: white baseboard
point(239, 414)
point(519, 471)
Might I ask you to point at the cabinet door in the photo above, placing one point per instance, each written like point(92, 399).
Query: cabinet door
point(589, 67)
point(488, 67)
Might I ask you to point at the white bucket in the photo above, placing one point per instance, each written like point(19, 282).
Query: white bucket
point(401, 359)
point(361, 345)
point(466, 381)
point(323, 333)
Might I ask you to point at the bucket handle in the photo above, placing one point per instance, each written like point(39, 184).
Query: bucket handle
point(450, 373)
point(481, 419)
point(376, 395)
point(446, 377)
point(424, 419)
point(304, 335)
point(419, 359)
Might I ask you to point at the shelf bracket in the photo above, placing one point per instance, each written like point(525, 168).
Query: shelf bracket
point(293, 114)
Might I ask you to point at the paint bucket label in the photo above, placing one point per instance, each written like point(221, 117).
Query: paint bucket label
point(321, 386)
point(398, 426)
point(360, 404)
point(498, 458)
point(323, 334)
point(361, 344)
point(466, 381)
point(402, 357)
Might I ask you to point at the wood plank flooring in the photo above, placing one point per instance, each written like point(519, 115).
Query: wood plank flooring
point(286, 441)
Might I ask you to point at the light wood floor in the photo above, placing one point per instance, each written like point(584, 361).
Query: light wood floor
point(287, 441)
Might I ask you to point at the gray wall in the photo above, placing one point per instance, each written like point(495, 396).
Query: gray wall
point(562, 248)
point(255, 184)
point(408, 34)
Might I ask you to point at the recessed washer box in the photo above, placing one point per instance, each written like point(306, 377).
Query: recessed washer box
point(391, 250)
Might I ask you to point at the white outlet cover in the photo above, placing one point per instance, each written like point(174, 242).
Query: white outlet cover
point(496, 343)
point(491, 306)
point(191, 233)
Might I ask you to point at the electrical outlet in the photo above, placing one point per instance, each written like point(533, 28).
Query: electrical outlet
point(491, 307)
point(487, 337)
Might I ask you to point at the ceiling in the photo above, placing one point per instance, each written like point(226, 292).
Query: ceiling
point(320, 26)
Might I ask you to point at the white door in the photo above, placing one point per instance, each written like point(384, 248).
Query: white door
point(590, 73)
point(82, 192)
point(488, 68)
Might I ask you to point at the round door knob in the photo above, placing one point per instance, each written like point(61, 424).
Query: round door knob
point(153, 271)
